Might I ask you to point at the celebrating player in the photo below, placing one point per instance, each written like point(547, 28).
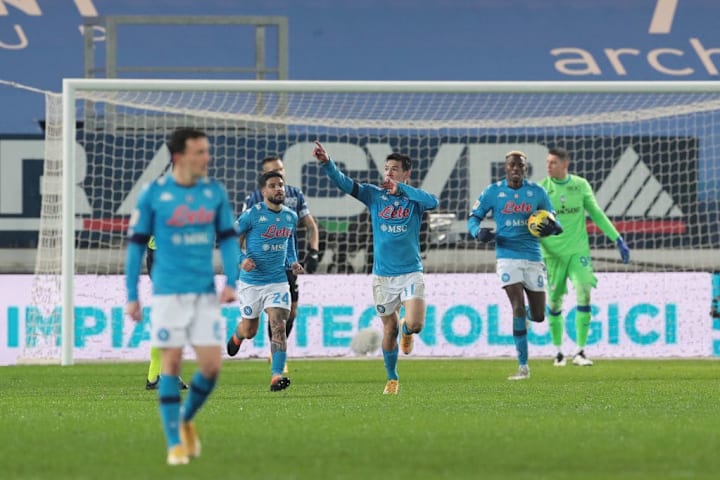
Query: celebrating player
point(295, 201)
point(396, 211)
point(267, 229)
point(519, 263)
point(568, 256)
point(186, 212)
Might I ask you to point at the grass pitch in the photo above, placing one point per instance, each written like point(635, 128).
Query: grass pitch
point(453, 419)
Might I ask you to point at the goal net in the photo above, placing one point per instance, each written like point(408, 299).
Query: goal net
point(649, 150)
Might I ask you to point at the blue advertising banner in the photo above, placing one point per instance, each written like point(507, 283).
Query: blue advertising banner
point(41, 41)
point(111, 171)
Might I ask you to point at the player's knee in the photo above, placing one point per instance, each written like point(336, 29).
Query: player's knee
point(415, 326)
point(210, 370)
point(391, 330)
point(582, 294)
point(248, 330)
point(519, 311)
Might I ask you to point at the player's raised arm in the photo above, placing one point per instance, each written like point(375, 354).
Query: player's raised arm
point(343, 182)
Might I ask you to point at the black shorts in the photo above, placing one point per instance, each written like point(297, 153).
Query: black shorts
point(292, 281)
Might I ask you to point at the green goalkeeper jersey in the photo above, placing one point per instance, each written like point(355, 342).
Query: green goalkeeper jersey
point(572, 198)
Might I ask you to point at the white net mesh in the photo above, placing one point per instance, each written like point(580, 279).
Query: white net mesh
point(651, 158)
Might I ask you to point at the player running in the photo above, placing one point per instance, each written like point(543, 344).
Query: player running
point(267, 230)
point(519, 263)
point(396, 211)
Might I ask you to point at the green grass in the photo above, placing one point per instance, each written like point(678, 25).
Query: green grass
point(453, 419)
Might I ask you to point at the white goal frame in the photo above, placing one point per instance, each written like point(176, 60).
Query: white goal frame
point(71, 87)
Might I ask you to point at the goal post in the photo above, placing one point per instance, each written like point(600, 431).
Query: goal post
point(649, 149)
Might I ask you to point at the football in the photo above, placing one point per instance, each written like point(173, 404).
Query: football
point(366, 341)
point(537, 220)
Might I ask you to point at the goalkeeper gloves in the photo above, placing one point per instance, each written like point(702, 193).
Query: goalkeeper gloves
point(312, 260)
point(624, 250)
point(485, 235)
point(551, 227)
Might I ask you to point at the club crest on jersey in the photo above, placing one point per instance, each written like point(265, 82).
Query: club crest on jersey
point(274, 232)
point(529, 193)
point(394, 212)
point(183, 215)
point(514, 207)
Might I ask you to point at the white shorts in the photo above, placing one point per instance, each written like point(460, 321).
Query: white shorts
point(194, 318)
point(390, 292)
point(254, 299)
point(532, 275)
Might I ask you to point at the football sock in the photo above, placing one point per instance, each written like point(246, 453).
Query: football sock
point(405, 329)
point(390, 359)
point(582, 325)
point(236, 339)
point(520, 337)
point(200, 389)
point(169, 397)
point(155, 364)
point(556, 327)
point(278, 362)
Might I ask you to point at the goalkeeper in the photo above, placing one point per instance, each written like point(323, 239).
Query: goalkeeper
point(153, 375)
point(568, 256)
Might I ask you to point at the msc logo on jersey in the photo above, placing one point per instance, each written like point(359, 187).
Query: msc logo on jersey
point(393, 228)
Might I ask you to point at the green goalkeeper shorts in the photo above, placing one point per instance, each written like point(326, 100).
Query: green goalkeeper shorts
point(578, 268)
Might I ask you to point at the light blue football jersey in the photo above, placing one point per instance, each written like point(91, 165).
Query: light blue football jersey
point(294, 200)
point(396, 221)
point(185, 221)
point(511, 209)
point(268, 242)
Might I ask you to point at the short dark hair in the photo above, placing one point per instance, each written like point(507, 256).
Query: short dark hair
point(559, 152)
point(399, 157)
point(262, 181)
point(271, 158)
point(177, 141)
